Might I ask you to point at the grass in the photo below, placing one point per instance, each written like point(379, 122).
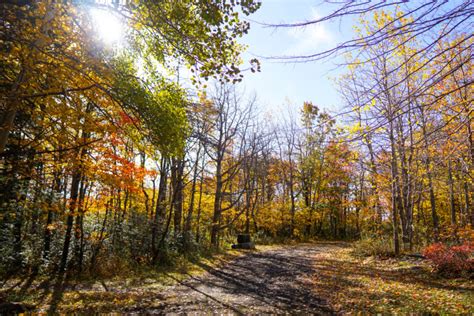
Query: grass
point(125, 291)
point(398, 285)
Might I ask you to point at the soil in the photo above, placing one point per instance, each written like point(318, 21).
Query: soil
point(272, 281)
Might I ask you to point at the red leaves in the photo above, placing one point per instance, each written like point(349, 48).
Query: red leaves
point(451, 259)
point(126, 119)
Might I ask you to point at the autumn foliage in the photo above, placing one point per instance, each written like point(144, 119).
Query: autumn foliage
point(107, 160)
point(451, 260)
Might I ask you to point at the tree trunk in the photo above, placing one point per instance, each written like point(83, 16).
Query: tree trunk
point(217, 207)
point(177, 185)
point(76, 179)
point(160, 211)
point(394, 186)
point(451, 193)
point(189, 216)
point(198, 217)
point(79, 226)
point(56, 187)
point(434, 214)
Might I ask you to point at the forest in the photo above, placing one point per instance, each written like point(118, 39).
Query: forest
point(141, 156)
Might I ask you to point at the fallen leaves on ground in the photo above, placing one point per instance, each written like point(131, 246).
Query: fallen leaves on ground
point(374, 285)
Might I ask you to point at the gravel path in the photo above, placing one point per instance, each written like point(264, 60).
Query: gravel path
point(272, 282)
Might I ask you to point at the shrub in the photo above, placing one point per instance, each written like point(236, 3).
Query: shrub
point(451, 260)
point(374, 246)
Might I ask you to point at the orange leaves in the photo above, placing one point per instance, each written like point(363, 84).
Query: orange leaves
point(118, 171)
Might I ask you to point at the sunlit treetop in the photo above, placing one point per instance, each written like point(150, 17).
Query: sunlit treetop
point(201, 33)
point(54, 48)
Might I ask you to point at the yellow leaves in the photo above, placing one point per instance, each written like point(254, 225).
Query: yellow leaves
point(368, 106)
point(52, 227)
point(355, 129)
point(382, 18)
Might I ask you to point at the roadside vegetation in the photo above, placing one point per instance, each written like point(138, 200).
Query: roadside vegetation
point(129, 158)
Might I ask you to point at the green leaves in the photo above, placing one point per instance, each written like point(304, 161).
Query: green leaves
point(202, 33)
point(160, 107)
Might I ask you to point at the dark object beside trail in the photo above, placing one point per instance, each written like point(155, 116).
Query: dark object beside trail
point(244, 242)
point(7, 308)
point(243, 238)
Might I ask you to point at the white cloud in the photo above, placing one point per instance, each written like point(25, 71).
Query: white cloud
point(310, 38)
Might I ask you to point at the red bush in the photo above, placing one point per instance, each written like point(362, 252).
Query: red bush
point(451, 259)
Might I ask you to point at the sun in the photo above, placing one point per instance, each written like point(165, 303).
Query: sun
point(108, 26)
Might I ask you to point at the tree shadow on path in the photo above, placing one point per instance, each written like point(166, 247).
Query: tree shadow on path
point(276, 281)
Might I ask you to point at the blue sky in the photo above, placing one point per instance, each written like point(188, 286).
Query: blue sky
point(281, 83)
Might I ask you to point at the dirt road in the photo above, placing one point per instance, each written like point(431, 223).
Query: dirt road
point(321, 278)
point(272, 281)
